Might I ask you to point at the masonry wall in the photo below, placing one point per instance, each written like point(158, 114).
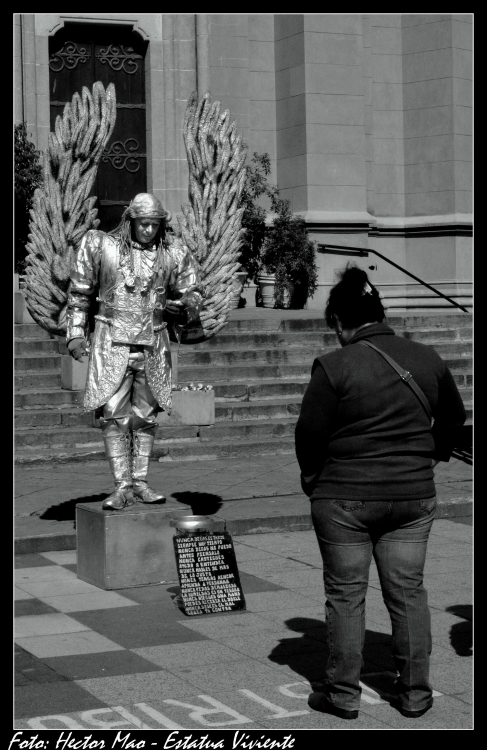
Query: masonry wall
point(366, 118)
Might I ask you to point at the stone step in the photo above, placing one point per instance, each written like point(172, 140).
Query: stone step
point(30, 331)
point(44, 379)
point(224, 357)
point(54, 417)
point(49, 409)
point(194, 451)
point(34, 363)
point(87, 438)
point(36, 346)
point(277, 321)
point(47, 398)
point(277, 369)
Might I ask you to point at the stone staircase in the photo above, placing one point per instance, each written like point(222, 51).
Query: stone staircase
point(259, 367)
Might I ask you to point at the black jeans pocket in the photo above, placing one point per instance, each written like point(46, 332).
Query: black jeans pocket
point(428, 505)
point(349, 505)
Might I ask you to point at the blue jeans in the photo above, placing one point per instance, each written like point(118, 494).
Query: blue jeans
point(396, 533)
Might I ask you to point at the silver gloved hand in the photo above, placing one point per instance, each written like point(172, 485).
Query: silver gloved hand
point(78, 349)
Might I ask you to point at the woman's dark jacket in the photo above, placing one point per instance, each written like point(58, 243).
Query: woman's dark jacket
point(363, 433)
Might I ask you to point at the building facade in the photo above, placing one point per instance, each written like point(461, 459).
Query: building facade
point(366, 118)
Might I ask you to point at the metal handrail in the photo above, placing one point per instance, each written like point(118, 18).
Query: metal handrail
point(364, 251)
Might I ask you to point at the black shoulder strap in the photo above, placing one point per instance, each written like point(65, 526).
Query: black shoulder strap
point(405, 375)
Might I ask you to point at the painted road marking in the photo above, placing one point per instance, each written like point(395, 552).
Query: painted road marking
point(139, 714)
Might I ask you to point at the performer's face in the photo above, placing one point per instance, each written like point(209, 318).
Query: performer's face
point(146, 229)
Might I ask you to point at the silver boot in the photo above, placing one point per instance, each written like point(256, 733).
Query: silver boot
point(142, 443)
point(117, 448)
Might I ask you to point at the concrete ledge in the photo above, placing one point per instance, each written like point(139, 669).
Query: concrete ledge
point(239, 521)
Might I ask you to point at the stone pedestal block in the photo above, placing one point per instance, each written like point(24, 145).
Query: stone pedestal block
point(73, 373)
point(22, 314)
point(190, 407)
point(121, 549)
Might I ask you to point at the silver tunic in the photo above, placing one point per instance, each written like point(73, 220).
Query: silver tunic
point(129, 315)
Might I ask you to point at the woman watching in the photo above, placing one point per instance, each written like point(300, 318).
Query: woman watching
point(366, 449)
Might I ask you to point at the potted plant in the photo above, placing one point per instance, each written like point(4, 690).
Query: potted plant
point(288, 254)
point(256, 188)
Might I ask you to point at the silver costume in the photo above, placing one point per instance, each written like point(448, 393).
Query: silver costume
point(129, 370)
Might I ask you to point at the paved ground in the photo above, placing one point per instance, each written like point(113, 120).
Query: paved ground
point(92, 659)
point(252, 494)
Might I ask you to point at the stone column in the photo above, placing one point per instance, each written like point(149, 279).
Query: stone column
point(19, 103)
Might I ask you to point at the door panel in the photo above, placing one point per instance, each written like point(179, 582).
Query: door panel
point(81, 54)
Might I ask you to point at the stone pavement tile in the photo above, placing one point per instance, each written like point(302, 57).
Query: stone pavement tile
point(443, 622)
point(301, 579)
point(277, 543)
point(246, 553)
point(19, 594)
point(61, 557)
point(101, 664)
point(67, 644)
point(274, 600)
point(253, 584)
point(317, 721)
point(98, 718)
point(224, 627)
point(155, 593)
point(32, 607)
point(30, 560)
point(178, 655)
point(269, 566)
point(32, 669)
point(89, 601)
point(297, 619)
point(42, 573)
point(243, 673)
point(265, 704)
point(450, 678)
point(447, 713)
point(53, 698)
point(451, 581)
point(453, 469)
point(199, 712)
point(50, 624)
point(278, 648)
point(466, 696)
point(442, 527)
point(467, 520)
point(436, 565)
point(439, 599)
point(316, 592)
point(66, 586)
point(449, 548)
point(442, 654)
point(149, 624)
point(142, 686)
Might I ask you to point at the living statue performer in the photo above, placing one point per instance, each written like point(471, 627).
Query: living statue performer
point(140, 271)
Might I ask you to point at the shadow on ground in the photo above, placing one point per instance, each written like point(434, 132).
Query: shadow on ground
point(461, 636)
point(464, 447)
point(201, 503)
point(67, 511)
point(306, 655)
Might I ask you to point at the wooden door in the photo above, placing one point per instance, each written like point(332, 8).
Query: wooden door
point(81, 54)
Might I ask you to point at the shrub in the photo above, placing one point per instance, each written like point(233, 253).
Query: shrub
point(28, 176)
point(290, 255)
point(253, 219)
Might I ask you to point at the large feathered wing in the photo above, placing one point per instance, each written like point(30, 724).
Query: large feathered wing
point(62, 212)
point(211, 223)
